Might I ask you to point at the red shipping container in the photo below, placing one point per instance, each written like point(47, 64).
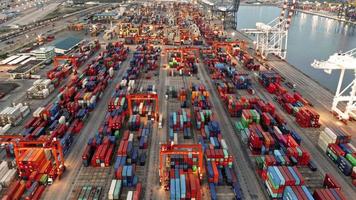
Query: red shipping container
point(330, 182)
point(137, 192)
point(19, 191)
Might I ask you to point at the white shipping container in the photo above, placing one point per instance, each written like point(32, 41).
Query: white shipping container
point(129, 195)
point(37, 82)
point(4, 129)
point(62, 120)
point(111, 190)
point(175, 138)
point(276, 129)
point(9, 176)
point(38, 111)
point(223, 144)
point(323, 144)
point(327, 137)
point(46, 82)
point(3, 168)
point(330, 133)
point(92, 99)
point(352, 147)
point(111, 72)
point(131, 137)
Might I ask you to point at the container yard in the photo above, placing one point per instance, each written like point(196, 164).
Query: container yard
point(170, 107)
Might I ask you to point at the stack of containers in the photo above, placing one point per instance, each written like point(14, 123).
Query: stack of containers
point(297, 192)
point(115, 189)
point(134, 122)
point(13, 114)
point(218, 161)
point(143, 109)
point(268, 77)
point(260, 141)
point(278, 177)
point(179, 122)
point(34, 160)
point(307, 117)
point(336, 144)
point(41, 89)
point(184, 184)
point(7, 175)
point(4, 129)
point(331, 190)
point(199, 97)
point(202, 117)
point(241, 81)
point(144, 134)
point(103, 150)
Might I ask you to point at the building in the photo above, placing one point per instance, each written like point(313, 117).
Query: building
point(19, 66)
point(66, 45)
point(44, 53)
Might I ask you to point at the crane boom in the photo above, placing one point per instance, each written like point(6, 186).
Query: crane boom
point(342, 61)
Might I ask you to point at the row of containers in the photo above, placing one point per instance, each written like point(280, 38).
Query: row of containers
point(218, 160)
point(183, 178)
point(184, 61)
point(62, 119)
point(121, 139)
point(294, 104)
point(336, 144)
point(266, 133)
point(78, 58)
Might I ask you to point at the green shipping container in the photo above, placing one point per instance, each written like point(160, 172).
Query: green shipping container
point(117, 189)
point(333, 156)
point(117, 134)
point(44, 179)
point(351, 159)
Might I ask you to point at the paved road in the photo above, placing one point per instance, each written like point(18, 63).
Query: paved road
point(242, 163)
point(61, 188)
point(153, 190)
point(28, 37)
point(33, 14)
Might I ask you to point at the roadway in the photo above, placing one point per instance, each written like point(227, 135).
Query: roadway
point(61, 188)
point(31, 14)
point(29, 36)
point(153, 189)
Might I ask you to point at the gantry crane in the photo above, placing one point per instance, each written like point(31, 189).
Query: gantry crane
point(21, 144)
point(342, 61)
point(272, 38)
point(143, 97)
point(73, 60)
point(180, 149)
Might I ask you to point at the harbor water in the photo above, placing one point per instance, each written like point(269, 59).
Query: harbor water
point(310, 37)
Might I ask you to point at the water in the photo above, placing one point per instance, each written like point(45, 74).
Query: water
point(310, 37)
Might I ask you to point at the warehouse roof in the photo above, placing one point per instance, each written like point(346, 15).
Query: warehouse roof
point(68, 43)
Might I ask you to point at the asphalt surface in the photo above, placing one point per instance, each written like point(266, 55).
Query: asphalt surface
point(153, 190)
point(28, 37)
point(61, 188)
